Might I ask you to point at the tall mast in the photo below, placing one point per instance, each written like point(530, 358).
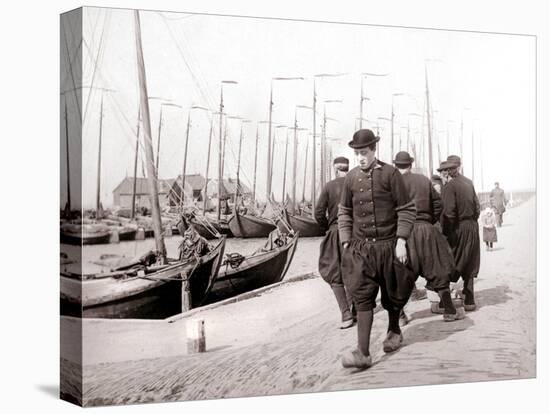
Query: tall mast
point(294, 162)
point(158, 142)
point(151, 172)
point(207, 167)
point(408, 135)
point(223, 148)
point(238, 166)
point(430, 156)
point(98, 196)
point(305, 173)
point(269, 168)
point(473, 156)
point(68, 207)
point(391, 131)
point(481, 163)
point(255, 164)
point(313, 195)
point(220, 155)
point(448, 150)
point(284, 170)
point(361, 106)
point(133, 213)
point(184, 171)
point(323, 147)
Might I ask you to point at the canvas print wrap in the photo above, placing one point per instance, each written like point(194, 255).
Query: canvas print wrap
point(254, 206)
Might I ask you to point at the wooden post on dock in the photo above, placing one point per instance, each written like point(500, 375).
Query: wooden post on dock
point(185, 293)
point(196, 339)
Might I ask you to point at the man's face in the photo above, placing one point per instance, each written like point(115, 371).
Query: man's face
point(365, 156)
point(402, 170)
point(437, 188)
point(445, 176)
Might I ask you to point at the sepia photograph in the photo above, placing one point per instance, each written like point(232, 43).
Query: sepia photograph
point(259, 206)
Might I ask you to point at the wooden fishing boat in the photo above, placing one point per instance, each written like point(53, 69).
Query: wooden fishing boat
point(269, 265)
point(140, 290)
point(246, 226)
point(306, 226)
point(126, 233)
point(84, 234)
point(206, 230)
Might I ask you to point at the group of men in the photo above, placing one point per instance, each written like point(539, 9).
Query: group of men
point(385, 227)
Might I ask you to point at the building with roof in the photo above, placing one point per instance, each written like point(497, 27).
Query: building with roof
point(122, 194)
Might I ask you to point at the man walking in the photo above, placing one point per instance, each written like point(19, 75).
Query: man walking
point(498, 198)
point(430, 255)
point(459, 224)
point(375, 219)
point(326, 214)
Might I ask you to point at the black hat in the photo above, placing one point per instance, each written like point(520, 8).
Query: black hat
point(454, 159)
point(446, 165)
point(403, 158)
point(363, 138)
point(341, 160)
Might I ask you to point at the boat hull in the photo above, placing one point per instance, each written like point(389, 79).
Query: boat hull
point(306, 226)
point(127, 234)
point(78, 239)
point(220, 226)
point(151, 296)
point(254, 272)
point(245, 226)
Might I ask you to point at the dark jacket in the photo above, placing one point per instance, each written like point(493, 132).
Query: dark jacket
point(426, 200)
point(460, 203)
point(499, 199)
point(328, 203)
point(375, 204)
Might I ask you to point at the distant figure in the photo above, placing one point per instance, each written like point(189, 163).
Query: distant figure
point(326, 214)
point(489, 221)
point(430, 255)
point(459, 224)
point(375, 219)
point(193, 244)
point(499, 201)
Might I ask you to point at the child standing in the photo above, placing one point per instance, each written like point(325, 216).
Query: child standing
point(489, 221)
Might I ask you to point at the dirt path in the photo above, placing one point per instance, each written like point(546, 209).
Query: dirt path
point(299, 350)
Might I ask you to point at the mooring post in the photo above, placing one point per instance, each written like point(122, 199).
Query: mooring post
point(196, 339)
point(114, 238)
point(140, 234)
point(185, 293)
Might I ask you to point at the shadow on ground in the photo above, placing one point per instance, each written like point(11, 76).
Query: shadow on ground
point(488, 297)
point(49, 389)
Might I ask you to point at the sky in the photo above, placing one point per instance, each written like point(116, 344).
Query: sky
point(482, 82)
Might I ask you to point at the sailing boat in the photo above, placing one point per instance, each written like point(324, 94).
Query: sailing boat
point(79, 233)
point(246, 225)
point(153, 281)
point(209, 227)
point(304, 224)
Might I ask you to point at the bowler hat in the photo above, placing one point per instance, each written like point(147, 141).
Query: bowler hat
point(445, 165)
point(341, 160)
point(454, 159)
point(363, 138)
point(403, 158)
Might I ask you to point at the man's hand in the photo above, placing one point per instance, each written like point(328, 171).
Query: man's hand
point(401, 251)
point(345, 245)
